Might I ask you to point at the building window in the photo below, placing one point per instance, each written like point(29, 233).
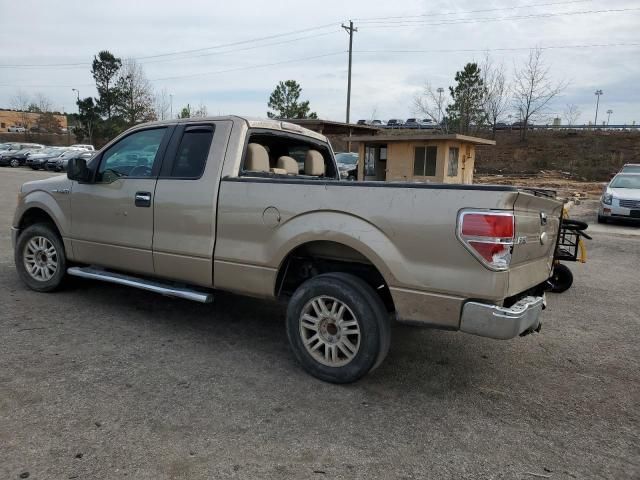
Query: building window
point(424, 162)
point(454, 154)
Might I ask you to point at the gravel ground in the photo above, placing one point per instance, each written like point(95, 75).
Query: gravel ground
point(103, 382)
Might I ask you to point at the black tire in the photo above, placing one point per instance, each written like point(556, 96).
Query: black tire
point(14, 162)
point(602, 219)
point(34, 168)
point(363, 305)
point(41, 230)
point(575, 224)
point(561, 278)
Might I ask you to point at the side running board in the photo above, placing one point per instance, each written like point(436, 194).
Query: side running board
point(141, 283)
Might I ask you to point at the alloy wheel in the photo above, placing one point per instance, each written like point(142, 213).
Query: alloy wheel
point(40, 258)
point(330, 331)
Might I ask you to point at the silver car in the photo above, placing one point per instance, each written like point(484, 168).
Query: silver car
point(621, 198)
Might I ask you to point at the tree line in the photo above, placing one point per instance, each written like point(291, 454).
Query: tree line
point(483, 93)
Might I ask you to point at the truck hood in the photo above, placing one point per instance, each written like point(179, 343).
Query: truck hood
point(625, 193)
point(48, 184)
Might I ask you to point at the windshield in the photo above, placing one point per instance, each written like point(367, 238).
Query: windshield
point(626, 181)
point(631, 169)
point(4, 146)
point(347, 158)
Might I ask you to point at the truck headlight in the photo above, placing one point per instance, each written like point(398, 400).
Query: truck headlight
point(607, 198)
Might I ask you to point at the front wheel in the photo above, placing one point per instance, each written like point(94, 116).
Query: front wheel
point(338, 327)
point(40, 258)
point(561, 279)
point(14, 162)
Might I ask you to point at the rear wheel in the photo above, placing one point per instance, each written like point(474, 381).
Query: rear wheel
point(602, 219)
point(14, 162)
point(561, 279)
point(40, 258)
point(338, 327)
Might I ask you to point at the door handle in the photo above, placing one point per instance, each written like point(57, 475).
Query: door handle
point(143, 199)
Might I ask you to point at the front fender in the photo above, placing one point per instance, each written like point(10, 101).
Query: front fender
point(46, 202)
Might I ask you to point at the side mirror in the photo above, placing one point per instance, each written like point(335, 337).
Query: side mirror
point(77, 170)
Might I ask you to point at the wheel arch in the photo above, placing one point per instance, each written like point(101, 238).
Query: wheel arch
point(310, 258)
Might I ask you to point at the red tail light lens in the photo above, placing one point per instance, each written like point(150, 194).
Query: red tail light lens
point(488, 235)
point(487, 225)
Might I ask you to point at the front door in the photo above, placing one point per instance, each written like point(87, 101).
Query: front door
point(112, 217)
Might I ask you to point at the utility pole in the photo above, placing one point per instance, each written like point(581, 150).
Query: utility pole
point(609, 112)
point(597, 93)
point(350, 29)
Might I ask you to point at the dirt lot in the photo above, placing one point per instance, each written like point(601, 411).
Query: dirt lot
point(103, 382)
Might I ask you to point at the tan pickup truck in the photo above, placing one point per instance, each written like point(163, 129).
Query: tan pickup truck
point(256, 207)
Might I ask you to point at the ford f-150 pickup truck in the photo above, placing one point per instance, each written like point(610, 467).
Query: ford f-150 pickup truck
point(257, 207)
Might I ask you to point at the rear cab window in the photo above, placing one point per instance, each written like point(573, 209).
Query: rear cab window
point(272, 153)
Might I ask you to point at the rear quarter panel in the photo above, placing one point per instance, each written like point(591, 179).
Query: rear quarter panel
point(409, 233)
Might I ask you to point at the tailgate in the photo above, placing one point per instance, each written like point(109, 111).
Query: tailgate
point(537, 222)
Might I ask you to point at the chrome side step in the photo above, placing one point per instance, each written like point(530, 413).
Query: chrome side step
point(141, 283)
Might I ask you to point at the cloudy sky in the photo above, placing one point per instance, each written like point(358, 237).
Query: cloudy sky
point(230, 55)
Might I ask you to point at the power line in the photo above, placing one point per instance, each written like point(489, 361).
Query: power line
point(439, 14)
point(193, 75)
point(237, 69)
point(471, 50)
point(409, 23)
point(183, 52)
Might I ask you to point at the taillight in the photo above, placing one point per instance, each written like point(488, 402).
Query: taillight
point(488, 235)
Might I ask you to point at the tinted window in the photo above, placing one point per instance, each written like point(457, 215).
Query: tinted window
point(133, 156)
point(192, 153)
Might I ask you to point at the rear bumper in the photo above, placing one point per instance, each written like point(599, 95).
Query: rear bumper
point(502, 323)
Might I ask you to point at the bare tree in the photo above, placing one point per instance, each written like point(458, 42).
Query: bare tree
point(136, 102)
point(533, 89)
point(20, 102)
point(432, 104)
point(201, 111)
point(571, 113)
point(497, 91)
point(162, 104)
point(43, 103)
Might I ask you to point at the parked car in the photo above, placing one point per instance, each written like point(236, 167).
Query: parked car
point(394, 123)
point(15, 129)
point(59, 164)
point(630, 168)
point(36, 129)
point(39, 160)
point(501, 126)
point(412, 123)
point(222, 205)
point(428, 123)
point(621, 198)
point(377, 123)
point(347, 165)
point(83, 146)
point(7, 147)
point(361, 122)
point(17, 158)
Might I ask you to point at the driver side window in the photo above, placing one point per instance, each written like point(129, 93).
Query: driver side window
point(133, 156)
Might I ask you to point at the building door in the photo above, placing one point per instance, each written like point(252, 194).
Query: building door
point(375, 162)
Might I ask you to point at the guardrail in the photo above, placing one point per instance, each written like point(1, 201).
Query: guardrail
point(519, 127)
